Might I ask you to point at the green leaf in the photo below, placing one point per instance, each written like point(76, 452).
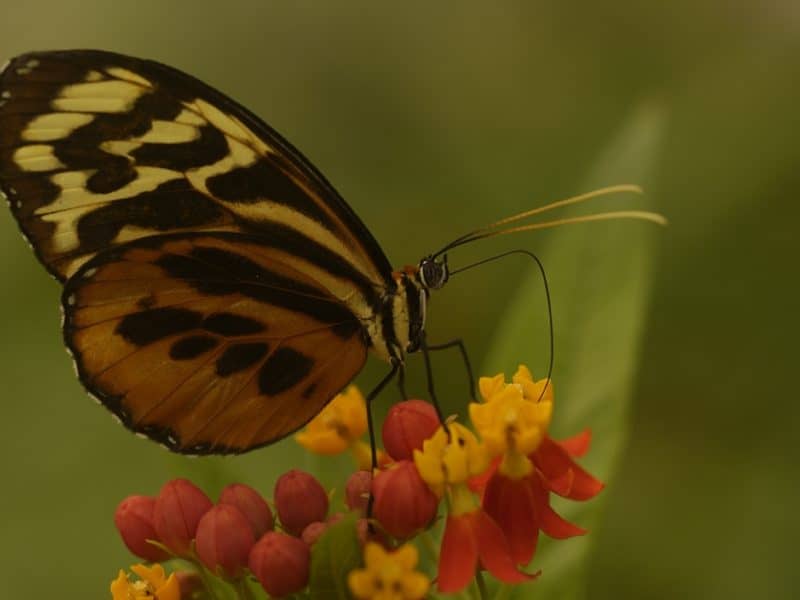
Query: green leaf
point(600, 276)
point(333, 556)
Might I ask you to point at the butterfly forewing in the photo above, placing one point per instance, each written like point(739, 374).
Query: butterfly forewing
point(98, 149)
point(208, 342)
point(218, 291)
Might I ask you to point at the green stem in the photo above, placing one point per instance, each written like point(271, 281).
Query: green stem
point(243, 589)
point(482, 589)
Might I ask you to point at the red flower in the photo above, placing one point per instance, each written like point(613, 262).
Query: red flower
point(281, 563)
point(356, 491)
point(521, 507)
point(408, 424)
point(179, 507)
point(224, 539)
point(252, 505)
point(471, 537)
point(134, 521)
point(403, 503)
point(300, 500)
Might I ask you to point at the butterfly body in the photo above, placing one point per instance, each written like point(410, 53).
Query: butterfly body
point(217, 289)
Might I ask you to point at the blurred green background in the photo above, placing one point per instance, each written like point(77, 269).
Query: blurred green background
point(434, 118)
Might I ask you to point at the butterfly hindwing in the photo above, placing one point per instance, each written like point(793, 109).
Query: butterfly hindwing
point(98, 149)
point(208, 343)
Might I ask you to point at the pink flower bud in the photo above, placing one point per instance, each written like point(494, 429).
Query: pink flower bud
point(403, 503)
point(313, 531)
point(179, 507)
point(356, 490)
point(281, 563)
point(134, 521)
point(224, 540)
point(407, 425)
point(252, 505)
point(299, 499)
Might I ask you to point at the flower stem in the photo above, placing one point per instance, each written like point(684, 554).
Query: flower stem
point(482, 589)
point(243, 589)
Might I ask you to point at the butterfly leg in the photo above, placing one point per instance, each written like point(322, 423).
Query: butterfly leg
point(401, 381)
point(372, 447)
point(467, 365)
point(429, 373)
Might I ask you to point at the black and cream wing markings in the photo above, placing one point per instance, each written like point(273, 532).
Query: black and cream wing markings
point(208, 343)
point(98, 149)
point(218, 291)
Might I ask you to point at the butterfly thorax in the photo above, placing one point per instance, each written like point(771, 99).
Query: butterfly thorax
point(398, 325)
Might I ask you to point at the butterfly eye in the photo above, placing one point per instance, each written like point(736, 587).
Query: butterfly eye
point(433, 274)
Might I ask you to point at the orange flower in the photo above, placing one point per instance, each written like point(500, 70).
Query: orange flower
point(527, 464)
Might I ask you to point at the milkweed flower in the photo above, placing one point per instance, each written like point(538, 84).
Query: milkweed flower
point(472, 538)
point(388, 575)
point(281, 563)
point(403, 504)
point(152, 584)
point(299, 500)
point(252, 505)
point(339, 427)
point(513, 421)
point(408, 424)
point(178, 509)
point(134, 521)
point(224, 539)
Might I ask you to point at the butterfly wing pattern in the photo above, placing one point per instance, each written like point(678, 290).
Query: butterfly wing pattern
point(218, 291)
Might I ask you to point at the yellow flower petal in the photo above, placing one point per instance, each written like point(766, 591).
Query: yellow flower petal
point(171, 590)
point(406, 556)
point(120, 586)
point(360, 581)
point(489, 386)
point(388, 575)
point(154, 576)
point(338, 425)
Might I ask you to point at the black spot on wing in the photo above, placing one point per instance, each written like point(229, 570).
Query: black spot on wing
point(264, 180)
point(149, 326)
point(192, 346)
point(240, 357)
point(228, 324)
point(172, 205)
point(219, 272)
point(284, 369)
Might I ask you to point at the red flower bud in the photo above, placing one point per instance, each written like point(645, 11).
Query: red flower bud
point(356, 491)
point(252, 505)
point(313, 531)
point(179, 507)
point(134, 521)
point(403, 504)
point(224, 540)
point(299, 499)
point(407, 425)
point(281, 563)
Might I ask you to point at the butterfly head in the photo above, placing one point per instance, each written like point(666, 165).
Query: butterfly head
point(433, 273)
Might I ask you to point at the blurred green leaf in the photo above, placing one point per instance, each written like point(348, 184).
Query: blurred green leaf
point(599, 276)
point(333, 556)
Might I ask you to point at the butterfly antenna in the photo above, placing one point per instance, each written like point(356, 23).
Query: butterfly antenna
point(539, 264)
point(492, 229)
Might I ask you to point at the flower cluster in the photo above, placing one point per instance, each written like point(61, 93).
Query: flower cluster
point(232, 539)
point(492, 485)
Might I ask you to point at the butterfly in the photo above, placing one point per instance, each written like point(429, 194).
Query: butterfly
point(218, 291)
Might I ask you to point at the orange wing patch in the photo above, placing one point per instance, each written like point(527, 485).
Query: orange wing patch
point(208, 343)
